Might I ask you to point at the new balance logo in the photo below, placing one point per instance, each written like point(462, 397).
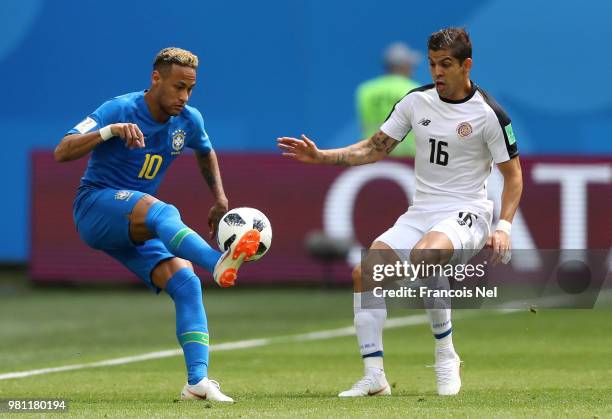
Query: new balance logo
point(424, 122)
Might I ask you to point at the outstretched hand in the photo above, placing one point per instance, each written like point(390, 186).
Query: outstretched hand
point(304, 150)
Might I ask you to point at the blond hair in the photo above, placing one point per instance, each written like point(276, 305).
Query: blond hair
point(168, 56)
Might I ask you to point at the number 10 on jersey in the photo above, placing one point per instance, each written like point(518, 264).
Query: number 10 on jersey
point(437, 154)
point(150, 166)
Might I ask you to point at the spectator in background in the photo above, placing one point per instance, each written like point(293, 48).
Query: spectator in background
point(376, 97)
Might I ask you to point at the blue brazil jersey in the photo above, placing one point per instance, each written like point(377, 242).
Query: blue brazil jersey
point(113, 165)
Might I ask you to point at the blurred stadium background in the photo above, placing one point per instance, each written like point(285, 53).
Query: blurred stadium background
point(282, 68)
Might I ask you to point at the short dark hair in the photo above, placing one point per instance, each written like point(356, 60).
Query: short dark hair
point(456, 40)
point(168, 56)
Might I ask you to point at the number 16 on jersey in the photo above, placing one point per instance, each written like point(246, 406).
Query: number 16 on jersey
point(437, 154)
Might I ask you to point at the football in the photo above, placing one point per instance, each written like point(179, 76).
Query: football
point(239, 220)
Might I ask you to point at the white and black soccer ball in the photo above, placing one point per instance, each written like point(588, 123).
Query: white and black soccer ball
point(239, 220)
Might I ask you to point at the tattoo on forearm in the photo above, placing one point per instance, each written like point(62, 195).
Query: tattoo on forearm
point(366, 151)
point(208, 176)
point(206, 170)
point(342, 159)
point(381, 142)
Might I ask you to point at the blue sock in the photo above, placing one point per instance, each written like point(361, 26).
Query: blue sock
point(191, 326)
point(180, 240)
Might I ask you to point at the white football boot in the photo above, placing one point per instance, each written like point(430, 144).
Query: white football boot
point(226, 269)
point(448, 377)
point(205, 390)
point(372, 384)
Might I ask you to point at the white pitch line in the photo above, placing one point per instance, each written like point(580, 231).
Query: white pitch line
point(392, 323)
point(228, 346)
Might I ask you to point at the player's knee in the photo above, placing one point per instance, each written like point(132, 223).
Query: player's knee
point(160, 211)
point(420, 254)
point(167, 269)
point(168, 211)
point(171, 211)
point(142, 207)
point(185, 284)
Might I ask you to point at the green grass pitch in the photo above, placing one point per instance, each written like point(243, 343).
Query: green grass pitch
point(545, 364)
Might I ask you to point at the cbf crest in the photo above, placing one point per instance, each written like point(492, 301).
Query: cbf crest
point(178, 141)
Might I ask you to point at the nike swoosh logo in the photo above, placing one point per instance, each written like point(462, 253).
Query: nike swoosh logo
point(377, 392)
point(197, 395)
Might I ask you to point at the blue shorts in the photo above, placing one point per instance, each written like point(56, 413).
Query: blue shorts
point(101, 218)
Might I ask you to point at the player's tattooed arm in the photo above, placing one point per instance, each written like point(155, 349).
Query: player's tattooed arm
point(209, 168)
point(382, 143)
point(367, 151)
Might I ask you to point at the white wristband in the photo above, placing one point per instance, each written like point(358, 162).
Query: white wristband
point(505, 226)
point(106, 133)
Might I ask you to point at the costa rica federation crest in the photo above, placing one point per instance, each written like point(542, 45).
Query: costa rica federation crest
point(178, 140)
point(464, 130)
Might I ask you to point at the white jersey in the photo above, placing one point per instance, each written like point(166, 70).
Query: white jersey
point(456, 143)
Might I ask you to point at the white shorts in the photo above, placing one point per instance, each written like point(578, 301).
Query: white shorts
point(467, 230)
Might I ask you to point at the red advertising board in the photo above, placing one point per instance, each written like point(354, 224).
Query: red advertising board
point(566, 203)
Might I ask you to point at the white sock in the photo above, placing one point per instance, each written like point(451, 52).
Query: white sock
point(373, 364)
point(441, 327)
point(439, 313)
point(369, 322)
point(445, 344)
point(439, 320)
